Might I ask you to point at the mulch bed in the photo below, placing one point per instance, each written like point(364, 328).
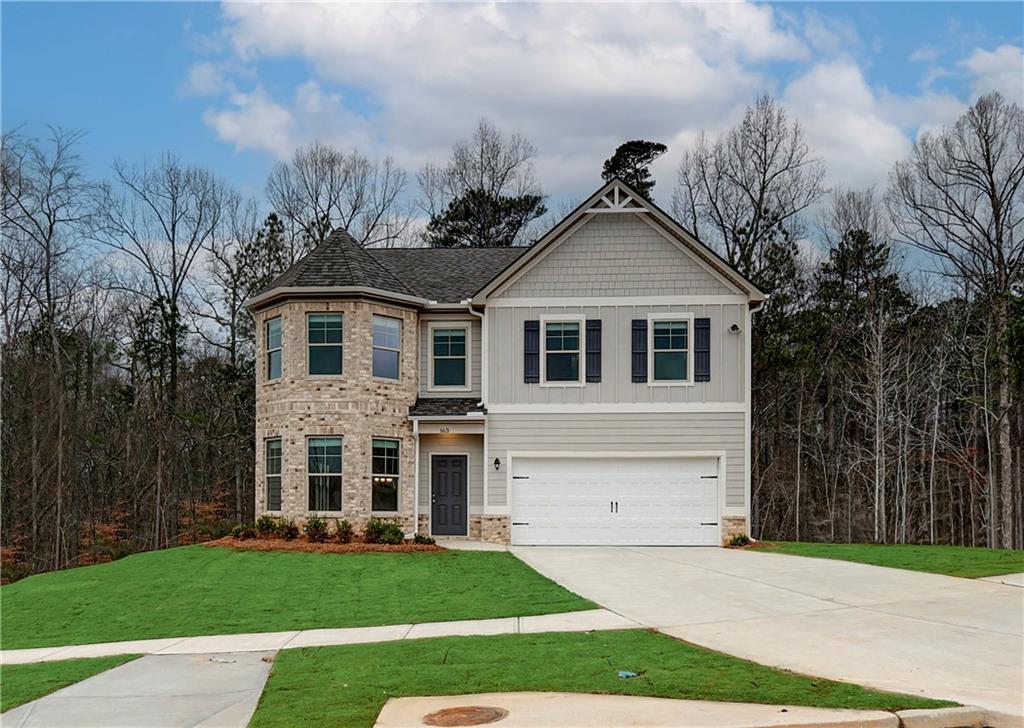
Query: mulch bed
point(300, 544)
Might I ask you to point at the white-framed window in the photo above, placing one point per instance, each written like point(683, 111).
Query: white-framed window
point(272, 458)
point(323, 467)
point(324, 343)
point(387, 347)
point(386, 465)
point(561, 351)
point(450, 344)
point(670, 349)
point(272, 341)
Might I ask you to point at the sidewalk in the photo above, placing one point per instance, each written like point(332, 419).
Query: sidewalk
point(585, 621)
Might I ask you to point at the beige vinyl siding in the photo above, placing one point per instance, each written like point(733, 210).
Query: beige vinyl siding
point(505, 357)
point(616, 255)
point(425, 350)
point(471, 444)
point(619, 432)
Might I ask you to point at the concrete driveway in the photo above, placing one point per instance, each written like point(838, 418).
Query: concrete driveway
point(923, 634)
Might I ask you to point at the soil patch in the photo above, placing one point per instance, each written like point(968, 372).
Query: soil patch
point(280, 544)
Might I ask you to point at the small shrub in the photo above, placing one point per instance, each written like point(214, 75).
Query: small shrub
point(380, 531)
point(739, 540)
point(427, 540)
point(343, 531)
point(267, 526)
point(288, 530)
point(316, 529)
point(242, 531)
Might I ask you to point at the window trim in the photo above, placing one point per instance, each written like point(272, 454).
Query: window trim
point(398, 487)
point(401, 334)
point(267, 379)
point(672, 316)
point(566, 318)
point(461, 324)
point(309, 344)
point(266, 475)
point(340, 473)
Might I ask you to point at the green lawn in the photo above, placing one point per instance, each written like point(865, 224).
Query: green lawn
point(22, 683)
point(970, 562)
point(348, 685)
point(197, 590)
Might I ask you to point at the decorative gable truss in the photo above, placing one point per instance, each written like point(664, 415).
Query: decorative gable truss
point(617, 200)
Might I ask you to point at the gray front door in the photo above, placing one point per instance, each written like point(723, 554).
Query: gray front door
point(449, 495)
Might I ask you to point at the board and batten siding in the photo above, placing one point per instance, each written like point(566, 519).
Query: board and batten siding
point(674, 432)
point(505, 357)
point(426, 319)
point(473, 445)
point(615, 255)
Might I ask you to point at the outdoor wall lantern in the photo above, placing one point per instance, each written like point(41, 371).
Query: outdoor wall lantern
point(497, 464)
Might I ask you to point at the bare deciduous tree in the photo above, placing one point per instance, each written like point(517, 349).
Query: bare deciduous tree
point(323, 188)
point(735, 191)
point(960, 197)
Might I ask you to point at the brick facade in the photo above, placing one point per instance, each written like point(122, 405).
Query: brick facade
point(355, 406)
point(733, 526)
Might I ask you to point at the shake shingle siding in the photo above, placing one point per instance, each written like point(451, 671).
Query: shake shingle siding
point(616, 255)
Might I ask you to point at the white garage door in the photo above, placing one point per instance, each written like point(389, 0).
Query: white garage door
point(593, 500)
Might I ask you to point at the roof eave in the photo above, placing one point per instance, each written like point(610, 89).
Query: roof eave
point(264, 299)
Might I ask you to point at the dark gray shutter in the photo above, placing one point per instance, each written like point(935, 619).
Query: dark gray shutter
point(531, 352)
point(702, 350)
point(639, 350)
point(593, 350)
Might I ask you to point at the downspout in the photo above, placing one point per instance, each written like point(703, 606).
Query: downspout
point(416, 483)
point(483, 388)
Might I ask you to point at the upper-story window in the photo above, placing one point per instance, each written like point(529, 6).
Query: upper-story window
point(387, 346)
point(671, 359)
point(561, 351)
point(324, 335)
point(449, 362)
point(273, 346)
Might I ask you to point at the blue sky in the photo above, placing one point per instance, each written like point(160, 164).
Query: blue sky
point(236, 88)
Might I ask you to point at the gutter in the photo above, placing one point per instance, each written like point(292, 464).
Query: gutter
point(483, 351)
point(294, 291)
point(416, 484)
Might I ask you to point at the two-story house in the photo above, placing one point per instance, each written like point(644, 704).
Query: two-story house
point(593, 388)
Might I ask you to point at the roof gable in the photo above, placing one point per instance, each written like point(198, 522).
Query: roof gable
point(618, 198)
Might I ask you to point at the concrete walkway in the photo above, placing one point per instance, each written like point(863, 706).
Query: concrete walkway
point(904, 631)
point(1007, 579)
point(219, 690)
point(584, 621)
point(558, 710)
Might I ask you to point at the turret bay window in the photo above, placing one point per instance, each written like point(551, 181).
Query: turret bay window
point(671, 360)
point(562, 352)
point(324, 336)
point(449, 357)
point(387, 346)
point(272, 460)
point(385, 475)
point(272, 340)
point(324, 470)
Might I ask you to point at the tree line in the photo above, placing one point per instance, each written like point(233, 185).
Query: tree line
point(886, 405)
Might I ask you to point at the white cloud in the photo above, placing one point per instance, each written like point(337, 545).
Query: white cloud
point(254, 121)
point(206, 79)
point(577, 80)
point(999, 70)
point(845, 125)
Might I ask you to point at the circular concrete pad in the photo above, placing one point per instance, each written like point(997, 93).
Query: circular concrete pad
point(465, 715)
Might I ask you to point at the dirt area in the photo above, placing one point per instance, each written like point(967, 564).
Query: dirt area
point(299, 544)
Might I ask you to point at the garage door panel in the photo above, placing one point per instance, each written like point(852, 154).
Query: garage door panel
point(593, 500)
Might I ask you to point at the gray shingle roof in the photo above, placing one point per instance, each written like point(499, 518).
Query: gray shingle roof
point(444, 406)
point(447, 275)
point(340, 261)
